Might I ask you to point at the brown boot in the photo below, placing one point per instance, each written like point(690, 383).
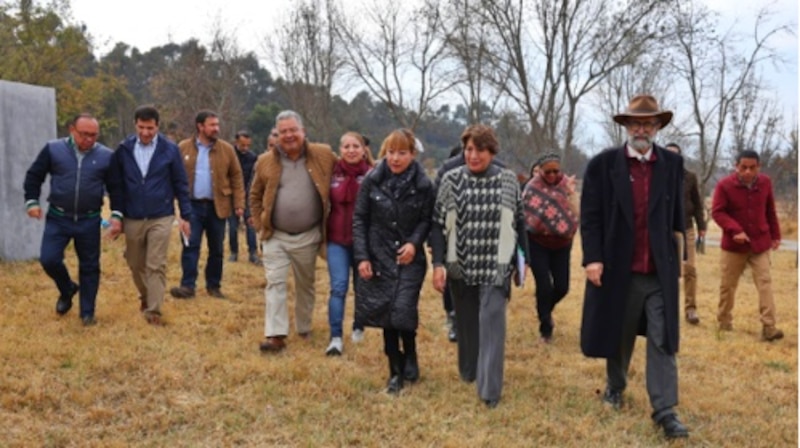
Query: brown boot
point(273, 344)
point(770, 333)
point(691, 316)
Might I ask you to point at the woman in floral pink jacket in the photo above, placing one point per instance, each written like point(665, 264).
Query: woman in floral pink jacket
point(551, 218)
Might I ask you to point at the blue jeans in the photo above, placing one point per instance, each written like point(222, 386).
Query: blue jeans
point(340, 265)
point(85, 233)
point(233, 236)
point(204, 218)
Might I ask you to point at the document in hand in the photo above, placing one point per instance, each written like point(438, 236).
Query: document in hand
point(521, 267)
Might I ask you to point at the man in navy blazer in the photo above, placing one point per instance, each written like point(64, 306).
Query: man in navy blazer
point(150, 173)
point(631, 209)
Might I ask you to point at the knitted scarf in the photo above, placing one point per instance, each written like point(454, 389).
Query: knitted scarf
point(547, 209)
point(351, 172)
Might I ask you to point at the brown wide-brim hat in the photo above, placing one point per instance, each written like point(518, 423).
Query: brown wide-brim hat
point(644, 106)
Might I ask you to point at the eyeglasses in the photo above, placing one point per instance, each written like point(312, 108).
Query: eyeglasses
point(646, 125)
point(86, 135)
point(549, 172)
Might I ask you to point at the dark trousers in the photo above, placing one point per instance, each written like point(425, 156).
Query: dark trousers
point(550, 269)
point(85, 232)
point(204, 219)
point(481, 327)
point(391, 343)
point(447, 299)
point(233, 236)
point(661, 372)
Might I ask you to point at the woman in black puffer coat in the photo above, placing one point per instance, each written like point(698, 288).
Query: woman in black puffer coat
point(391, 222)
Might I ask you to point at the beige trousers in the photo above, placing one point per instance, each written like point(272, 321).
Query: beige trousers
point(689, 271)
point(146, 244)
point(279, 253)
point(732, 265)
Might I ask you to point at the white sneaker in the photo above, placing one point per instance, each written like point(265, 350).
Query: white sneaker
point(334, 348)
point(357, 336)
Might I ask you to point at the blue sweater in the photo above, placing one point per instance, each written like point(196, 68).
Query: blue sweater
point(76, 188)
point(140, 197)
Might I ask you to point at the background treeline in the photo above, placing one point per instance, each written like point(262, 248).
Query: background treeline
point(547, 74)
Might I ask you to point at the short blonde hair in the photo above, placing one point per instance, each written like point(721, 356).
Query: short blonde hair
point(399, 139)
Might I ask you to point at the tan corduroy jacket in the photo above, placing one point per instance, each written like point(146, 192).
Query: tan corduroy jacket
point(320, 160)
point(226, 174)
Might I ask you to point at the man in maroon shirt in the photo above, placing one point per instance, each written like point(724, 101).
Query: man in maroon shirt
point(744, 207)
point(631, 208)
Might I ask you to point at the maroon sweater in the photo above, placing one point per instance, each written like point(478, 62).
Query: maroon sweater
point(738, 208)
point(641, 174)
point(340, 220)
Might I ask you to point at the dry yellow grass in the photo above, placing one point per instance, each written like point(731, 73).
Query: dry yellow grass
point(201, 381)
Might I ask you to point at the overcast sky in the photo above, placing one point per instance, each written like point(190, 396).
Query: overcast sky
point(147, 23)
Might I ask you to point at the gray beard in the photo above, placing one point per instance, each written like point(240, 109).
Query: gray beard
point(642, 144)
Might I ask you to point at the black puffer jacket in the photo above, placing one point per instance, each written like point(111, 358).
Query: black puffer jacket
point(381, 225)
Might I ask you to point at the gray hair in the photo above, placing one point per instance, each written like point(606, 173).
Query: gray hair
point(289, 115)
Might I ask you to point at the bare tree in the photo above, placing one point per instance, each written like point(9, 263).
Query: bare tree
point(468, 40)
point(719, 77)
point(308, 60)
point(398, 50)
point(552, 54)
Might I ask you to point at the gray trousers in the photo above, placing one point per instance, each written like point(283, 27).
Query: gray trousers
point(481, 327)
point(644, 295)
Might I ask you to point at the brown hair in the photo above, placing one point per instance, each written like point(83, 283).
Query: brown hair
point(399, 139)
point(367, 152)
point(482, 137)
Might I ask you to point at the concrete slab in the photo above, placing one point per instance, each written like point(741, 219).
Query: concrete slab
point(27, 122)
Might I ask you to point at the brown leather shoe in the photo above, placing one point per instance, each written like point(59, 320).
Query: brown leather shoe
point(154, 319)
point(770, 333)
point(273, 344)
point(691, 316)
point(216, 293)
point(182, 292)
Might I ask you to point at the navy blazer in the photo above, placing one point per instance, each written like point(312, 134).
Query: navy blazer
point(151, 196)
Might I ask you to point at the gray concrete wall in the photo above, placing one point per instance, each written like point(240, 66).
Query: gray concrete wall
point(27, 122)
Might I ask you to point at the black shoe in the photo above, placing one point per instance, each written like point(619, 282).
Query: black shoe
point(673, 428)
point(491, 404)
point(452, 334)
point(88, 321)
point(411, 369)
point(613, 398)
point(64, 303)
point(234, 257)
point(255, 260)
point(395, 384)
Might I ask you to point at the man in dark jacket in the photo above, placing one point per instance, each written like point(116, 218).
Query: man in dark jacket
point(694, 210)
point(247, 159)
point(151, 176)
point(79, 173)
point(631, 209)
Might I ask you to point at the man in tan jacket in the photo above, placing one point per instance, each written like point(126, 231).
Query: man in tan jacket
point(289, 206)
point(214, 177)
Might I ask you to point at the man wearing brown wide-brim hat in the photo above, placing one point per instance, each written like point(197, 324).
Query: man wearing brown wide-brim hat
point(631, 207)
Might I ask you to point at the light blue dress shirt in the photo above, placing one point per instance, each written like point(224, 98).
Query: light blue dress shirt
point(202, 173)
